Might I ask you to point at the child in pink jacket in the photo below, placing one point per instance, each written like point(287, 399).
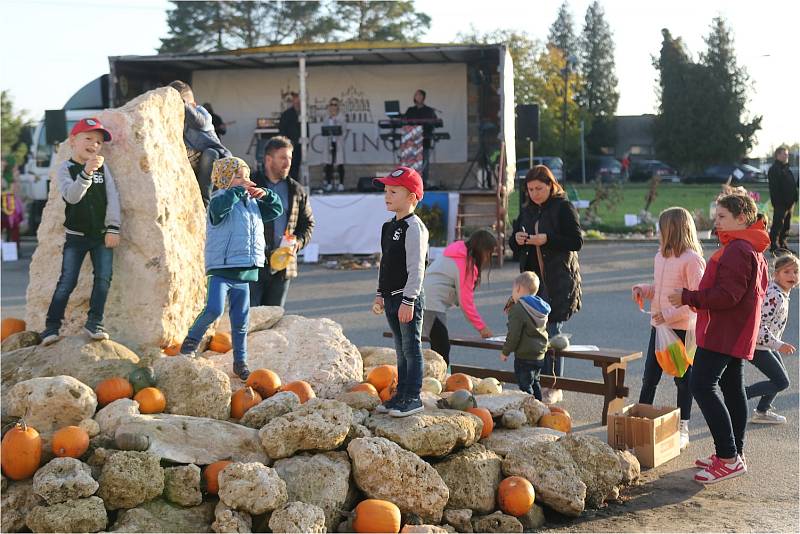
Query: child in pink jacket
point(679, 263)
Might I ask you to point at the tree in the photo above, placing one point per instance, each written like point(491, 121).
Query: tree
point(381, 21)
point(12, 124)
point(562, 32)
point(196, 27)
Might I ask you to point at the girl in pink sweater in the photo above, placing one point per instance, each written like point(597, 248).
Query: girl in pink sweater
point(679, 263)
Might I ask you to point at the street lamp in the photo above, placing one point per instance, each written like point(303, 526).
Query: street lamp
point(569, 66)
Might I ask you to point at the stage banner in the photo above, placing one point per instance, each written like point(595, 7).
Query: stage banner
point(243, 95)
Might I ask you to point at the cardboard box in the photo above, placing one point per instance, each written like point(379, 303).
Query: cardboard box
point(651, 431)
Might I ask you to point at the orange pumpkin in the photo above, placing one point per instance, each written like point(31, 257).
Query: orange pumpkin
point(172, 349)
point(151, 400)
point(21, 452)
point(220, 342)
point(211, 475)
point(558, 409)
point(458, 381)
point(367, 387)
point(375, 515)
point(302, 389)
point(515, 495)
point(486, 417)
point(382, 376)
point(556, 421)
point(70, 441)
point(112, 389)
point(11, 325)
point(388, 392)
point(243, 400)
point(265, 382)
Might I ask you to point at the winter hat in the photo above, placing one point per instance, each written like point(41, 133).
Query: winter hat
point(225, 170)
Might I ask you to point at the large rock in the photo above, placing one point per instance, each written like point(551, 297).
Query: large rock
point(17, 500)
point(359, 400)
point(64, 479)
point(460, 520)
point(196, 440)
point(28, 338)
point(320, 479)
point(182, 485)
point(504, 440)
point(297, 348)
point(534, 409)
point(598, 466)
point(158, 286)
point(261, 318)
point(226, 519)
point(48, 404)
point(500, 403)
point(79, 515)
point(433, 365)
point(265, 411)
point(428, 433)
point(88, 361)
point(319, 424)
point(496, 522)
point(130, 478)
point(298, 517)
point(513, 419)
point(160, 516)
point(194, 387)
point(383, 470)
point(629, 463)
point(251, 487)
point(472, 476)
point(553, 473)
point(114, 414)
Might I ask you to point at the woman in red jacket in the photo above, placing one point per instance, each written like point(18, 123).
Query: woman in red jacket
point(728, 303)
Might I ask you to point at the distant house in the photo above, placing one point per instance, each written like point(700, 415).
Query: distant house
point(635, 136)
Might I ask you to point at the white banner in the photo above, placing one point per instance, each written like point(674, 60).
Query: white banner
point(242, 95)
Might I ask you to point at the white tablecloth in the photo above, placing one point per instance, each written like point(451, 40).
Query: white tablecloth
point(348, 224)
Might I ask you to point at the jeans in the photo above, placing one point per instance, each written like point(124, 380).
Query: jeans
point(550, 367)
point(75, 249)
point(652, 375)
point(271, 289)
point(206, 165)
point(726, 416)
point(781, 220)
point(527, 373)
point(771, 364)
point(239, 309)
point(408, 344)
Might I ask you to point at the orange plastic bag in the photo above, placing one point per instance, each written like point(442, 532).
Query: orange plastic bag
point(671, 353)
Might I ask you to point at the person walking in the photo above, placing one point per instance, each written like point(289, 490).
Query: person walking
point(783, 197)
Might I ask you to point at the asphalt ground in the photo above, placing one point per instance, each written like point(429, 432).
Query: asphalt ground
point(766, 499)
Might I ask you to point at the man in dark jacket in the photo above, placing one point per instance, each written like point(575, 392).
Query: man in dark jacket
point(297, 221)
point(289, 126)
point(783, 196)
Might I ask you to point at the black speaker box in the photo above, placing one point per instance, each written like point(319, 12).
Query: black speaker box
point(55, 123)
point(528, 122)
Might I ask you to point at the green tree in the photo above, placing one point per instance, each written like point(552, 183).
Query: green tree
point(12, 124)
point(562, 32)
point(381, 21)
point(196, 27)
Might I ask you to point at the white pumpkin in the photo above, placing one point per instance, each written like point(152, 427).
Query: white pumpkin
point(560, 342)
point(431, 385)
point(489, 386)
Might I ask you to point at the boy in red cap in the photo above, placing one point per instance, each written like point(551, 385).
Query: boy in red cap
point(404, 243)
point(92, 221)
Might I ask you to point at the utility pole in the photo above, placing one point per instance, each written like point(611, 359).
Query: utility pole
point(568, 66)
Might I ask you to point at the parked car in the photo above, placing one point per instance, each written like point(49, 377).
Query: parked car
point(603, 168)
point(642, 170)
point(553, 163)
point(719, 174)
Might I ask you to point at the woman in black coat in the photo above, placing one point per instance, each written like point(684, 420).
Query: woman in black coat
point(547, 237)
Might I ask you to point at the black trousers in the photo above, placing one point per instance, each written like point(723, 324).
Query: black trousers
point(781, 219)
point(440, 340)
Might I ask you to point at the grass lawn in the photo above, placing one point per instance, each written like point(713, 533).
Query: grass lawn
point(691, 197)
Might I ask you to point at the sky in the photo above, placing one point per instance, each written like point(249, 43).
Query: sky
point(51, 48)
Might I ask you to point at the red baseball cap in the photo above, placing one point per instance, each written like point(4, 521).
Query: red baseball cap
point(406, 177)
point(89, 125)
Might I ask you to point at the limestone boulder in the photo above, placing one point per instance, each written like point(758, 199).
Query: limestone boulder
point(359, 400)
point(265, 411)
point(553, 473)
point(48, 404)
point(98, 458)
point(629, 463)
point(500, 403)
point(261, 318)
point(90, 426)
point(433, 365)
point(160, 516)
point(79, 515)
point(20, 340)
point(428, 433)
point(504, 440)
point(298, 516)
point(226, 519)
point(597, 464)
point(534, 409)
point(196, 440)
point(64, 479)
point(424, 529)
point(472, 476)
point(130, 478)
point(513, 419)
point(182, 485)
point(193, 386)
point(496, 522)
point(18, 498)
point(251, 487)
point(460, 519)
point(384, 470)
point(299, 348)
point(320, 479)
point(114, 414)
point(159, 285)
point(89, 361)
point(319, 424)
point(357, 431)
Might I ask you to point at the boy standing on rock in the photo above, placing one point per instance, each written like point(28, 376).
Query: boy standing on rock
point(404, 242)
point(92, 222)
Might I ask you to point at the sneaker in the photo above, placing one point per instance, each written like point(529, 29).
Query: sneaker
point(406, 408)
point(340, 188)
point(241, 370)
point(684, 431)
point(719, 471)
point(388, 406)
point(49, 337)
point(769, 417)
point(704, 463)
point(96, 332)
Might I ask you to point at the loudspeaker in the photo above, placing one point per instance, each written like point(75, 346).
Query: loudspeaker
point(528, 122)
point(55, 123)
point(366, 185)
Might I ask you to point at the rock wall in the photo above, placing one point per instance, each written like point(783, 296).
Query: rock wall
point(158, 284)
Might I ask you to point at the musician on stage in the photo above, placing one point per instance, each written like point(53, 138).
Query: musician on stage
point(420, 111)
point(289, 126)
point(335, 148)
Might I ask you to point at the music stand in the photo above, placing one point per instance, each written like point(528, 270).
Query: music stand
point(332, 131)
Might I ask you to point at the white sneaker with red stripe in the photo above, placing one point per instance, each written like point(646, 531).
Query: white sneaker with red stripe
point(719, 471)
point(702, 463)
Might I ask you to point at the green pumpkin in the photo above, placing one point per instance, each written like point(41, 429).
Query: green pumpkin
point(461, 400)
point(142, 377)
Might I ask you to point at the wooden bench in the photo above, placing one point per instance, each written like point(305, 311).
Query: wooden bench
point(612, 364)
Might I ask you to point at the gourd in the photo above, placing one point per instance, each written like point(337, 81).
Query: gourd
point(489, 386)
point(558, 409)
point(431, 385)
point(515, 496)
point(556, 421)
point(375, 515)
point(220, 342)
point(486, 417)
point(265, 382)
point(302, 389)
point(173, 348)
point(382, 376)
point(113, 389)
point(11, 325)
point(151, 400)
point(211, 475)
point(142, 377)
point(458, 381)
point(559, 342)
point(21, 452)
point(243, 400)
point(365, 387)
point(461, 400)
point(388, 392)
point(128, 441)
point(70, 441)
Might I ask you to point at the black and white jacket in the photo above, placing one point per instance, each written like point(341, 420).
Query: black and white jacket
point(774, 314)
point(404, 244)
